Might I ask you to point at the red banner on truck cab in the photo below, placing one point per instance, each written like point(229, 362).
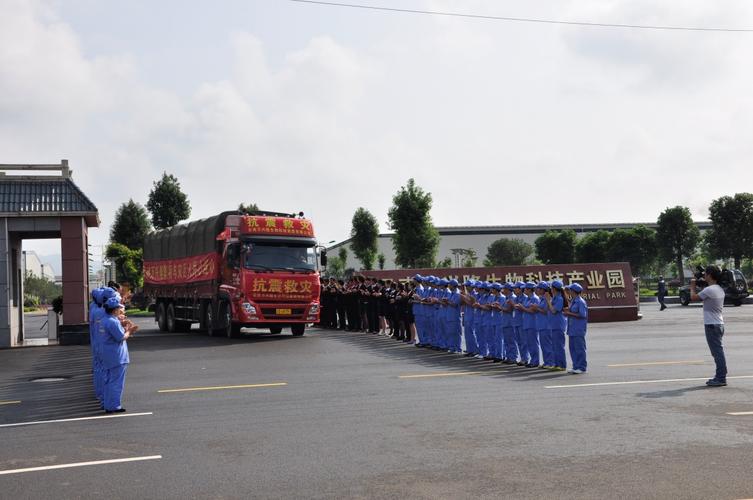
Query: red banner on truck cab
point(186, 270)
point(275, 226)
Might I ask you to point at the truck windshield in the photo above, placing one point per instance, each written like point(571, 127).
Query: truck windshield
point(275, 256)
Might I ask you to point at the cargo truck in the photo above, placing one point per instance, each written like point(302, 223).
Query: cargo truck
point(235, 270)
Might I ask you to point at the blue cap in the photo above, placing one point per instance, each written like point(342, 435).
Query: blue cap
point(468, 283)
point(575, 287)
point(443, 282)
point(497, 286)
point(108, 293)
point(507, 286)
point(543, 285)
point(530, 285)
point(113, 303)
point(557, 285)
point(454, 282)
point(418, 277)
point(519, 284)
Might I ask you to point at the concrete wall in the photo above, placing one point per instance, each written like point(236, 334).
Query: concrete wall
point(6, 340)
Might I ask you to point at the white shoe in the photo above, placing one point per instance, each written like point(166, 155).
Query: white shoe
point(571, 372)
point(578, 372)
point(478, 356)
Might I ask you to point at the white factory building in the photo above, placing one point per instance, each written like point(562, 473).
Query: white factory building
point(480, 237)
point(35, 266)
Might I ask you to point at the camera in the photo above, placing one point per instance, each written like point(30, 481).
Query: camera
point(700, 272)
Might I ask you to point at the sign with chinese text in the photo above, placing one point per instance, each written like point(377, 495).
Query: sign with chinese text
point(186, 270)
point(275, 226)
point(282, 288)
point(607, 287)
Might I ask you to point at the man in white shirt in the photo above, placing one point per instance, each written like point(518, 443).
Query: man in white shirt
point(713, 303)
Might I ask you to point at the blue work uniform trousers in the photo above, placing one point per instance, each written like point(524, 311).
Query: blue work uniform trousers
point(532, 343)
point(114, 383)
point(547, 355)
point(714, 334)
point(577, 345)
point(495, 350)
point(471, 345)
point(558, 348)
point(453, 335)
point(522, 345)
point(510, 344)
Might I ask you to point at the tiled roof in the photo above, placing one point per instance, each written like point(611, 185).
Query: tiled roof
point(40, 196)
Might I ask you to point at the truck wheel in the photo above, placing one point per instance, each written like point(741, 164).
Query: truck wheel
point(298, 329)
point(738, 303)
point(170, 321)
point(161, 316)
point(226, 317)
point(684, 299)
point(208, 321)
point(275, 329)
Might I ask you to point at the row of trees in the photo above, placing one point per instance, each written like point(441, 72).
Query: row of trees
point(676, 239)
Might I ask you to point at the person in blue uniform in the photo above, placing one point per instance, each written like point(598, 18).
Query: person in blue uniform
point(441, 311)
point(542, 324)
point(495, 332)
point(418, 311)
point(469, 299)
point(115, 357)
point(486, 321)
point(452, 317)
point(577, 316)
point(517, 323)
point(510, 352)
point(557, 303)
point(528, 306)
point(97, 371)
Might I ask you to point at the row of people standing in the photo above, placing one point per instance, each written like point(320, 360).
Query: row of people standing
point(365, 304)
point(512, 323)
point(108, 331)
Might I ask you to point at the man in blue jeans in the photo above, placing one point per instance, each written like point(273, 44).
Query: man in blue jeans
point(713, 303)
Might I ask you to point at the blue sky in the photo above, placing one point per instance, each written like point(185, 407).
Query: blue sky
point(320, 109)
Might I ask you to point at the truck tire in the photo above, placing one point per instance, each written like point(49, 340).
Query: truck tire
point(208, 319)
point(298, 329)
point(275, 329)
point(170, 321)
point(230, 330)
point(161, 316)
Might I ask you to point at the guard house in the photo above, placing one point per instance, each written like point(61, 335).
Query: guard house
point(35, 206)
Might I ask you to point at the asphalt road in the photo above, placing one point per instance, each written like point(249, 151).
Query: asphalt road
point(346, 425)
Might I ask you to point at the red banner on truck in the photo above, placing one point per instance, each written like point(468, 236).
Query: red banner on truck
point(186, 270)
point(275, 226)
point(607, 287)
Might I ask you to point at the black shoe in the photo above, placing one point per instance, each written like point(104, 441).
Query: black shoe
point(119, 410)
point(520, 363)
point(508, 362)
point(496, 360)
point(716, 383)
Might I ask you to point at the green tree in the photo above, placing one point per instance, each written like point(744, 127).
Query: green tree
point(335, 267)
point(39, 288)
point(592, 247)
point(343, 254)
point(130, 226)
point(129, 263)
point(381, 260)
point(507, 252)
point(556, 247)
point(447, 262)
point(416, 240)
point(470, 258)
point(676, 237)
point(167, 203)
point(636, 246)
point(731, 233)
point(246, 209)
point(363, 234)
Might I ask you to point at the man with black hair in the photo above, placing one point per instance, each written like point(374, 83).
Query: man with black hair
point(713, 322)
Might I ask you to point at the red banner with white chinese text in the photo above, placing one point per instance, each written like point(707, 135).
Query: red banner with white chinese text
point(187, 270)
point(275, 226)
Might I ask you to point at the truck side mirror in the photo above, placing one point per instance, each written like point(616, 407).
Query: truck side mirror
point(323, 258)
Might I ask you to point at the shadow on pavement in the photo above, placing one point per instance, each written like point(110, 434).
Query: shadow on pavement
point(673, 393)
point(435, 360)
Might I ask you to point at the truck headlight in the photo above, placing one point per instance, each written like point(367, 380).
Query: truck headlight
point(313, 309)
point(249, 309)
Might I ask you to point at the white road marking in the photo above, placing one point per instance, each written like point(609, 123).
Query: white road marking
point(431, 375)
point(632, 382)
point(736, 413)
point(653, 363)
point(80, 464)
point(99, 417)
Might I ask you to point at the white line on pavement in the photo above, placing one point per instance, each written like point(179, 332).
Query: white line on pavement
point(99, 417)
point(80, 464)
point(736, 413)
point(632, 382)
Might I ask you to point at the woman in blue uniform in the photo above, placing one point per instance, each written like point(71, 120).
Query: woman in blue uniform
point(529, 304)
point(114, 351)
point(557, 303)
point(510, 353)
point(577, 315)
point(517, 322)
point(542, 324)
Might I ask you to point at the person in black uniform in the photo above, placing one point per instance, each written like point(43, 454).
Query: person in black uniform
point(340, 304)
point(661, 292)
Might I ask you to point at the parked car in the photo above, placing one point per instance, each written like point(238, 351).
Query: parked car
point(733, 283)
